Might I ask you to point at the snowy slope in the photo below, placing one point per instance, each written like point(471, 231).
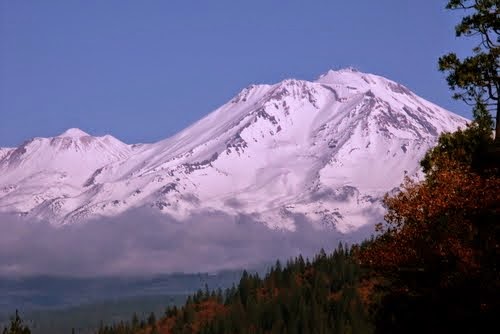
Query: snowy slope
point(43, 170)
point(327, 150)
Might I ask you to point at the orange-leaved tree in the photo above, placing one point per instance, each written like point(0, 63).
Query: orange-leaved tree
point(439, 240)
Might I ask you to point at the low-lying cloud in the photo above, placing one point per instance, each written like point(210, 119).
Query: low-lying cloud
point(141, 243)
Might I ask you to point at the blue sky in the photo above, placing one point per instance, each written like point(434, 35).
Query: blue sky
point(143, 70)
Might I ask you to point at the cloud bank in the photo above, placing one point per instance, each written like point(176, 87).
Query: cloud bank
point(140, 243)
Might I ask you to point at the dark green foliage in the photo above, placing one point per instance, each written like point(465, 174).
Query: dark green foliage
point(134, 326)
point(320, 296)
point(469, 146)
point(476, 77)
point(16, 326)
point(151, 319)
point(300, 297)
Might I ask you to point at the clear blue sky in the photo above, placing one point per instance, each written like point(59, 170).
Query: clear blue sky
point(143, 70)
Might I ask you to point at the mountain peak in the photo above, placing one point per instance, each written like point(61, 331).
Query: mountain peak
point(341, 71)
point(74, 133)
point(274, 152)
point(347, 76)
point(349, 69)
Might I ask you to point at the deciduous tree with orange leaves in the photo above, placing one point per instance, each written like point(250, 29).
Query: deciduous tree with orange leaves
point(438, 246)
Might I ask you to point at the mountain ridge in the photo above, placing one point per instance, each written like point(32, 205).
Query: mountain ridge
point(273, 152)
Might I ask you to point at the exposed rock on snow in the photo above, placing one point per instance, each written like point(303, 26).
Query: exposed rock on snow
point(327, 149)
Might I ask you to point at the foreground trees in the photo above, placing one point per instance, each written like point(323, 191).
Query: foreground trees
point(475, 78)
point(439, 245)
point(438, 248)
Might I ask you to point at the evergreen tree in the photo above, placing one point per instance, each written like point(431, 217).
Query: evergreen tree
point(135, 321)
point(476, 77)
point(16, 326)
point(151, 319)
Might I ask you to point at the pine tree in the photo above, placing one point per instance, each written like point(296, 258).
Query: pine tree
point(151, 319)
point(476, 77)
point(16, 326)
point(135, 321)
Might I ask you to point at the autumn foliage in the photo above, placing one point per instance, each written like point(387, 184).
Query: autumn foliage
point(440, 238)
point(438, 223)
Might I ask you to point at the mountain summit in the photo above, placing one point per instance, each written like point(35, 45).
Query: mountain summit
point(325, 151)
point(74, 133)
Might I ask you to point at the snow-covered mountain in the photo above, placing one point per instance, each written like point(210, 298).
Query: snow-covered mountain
point(327, 150)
